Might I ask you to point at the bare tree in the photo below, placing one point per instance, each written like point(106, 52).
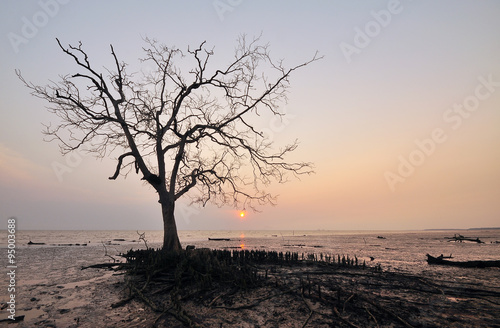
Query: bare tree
point(182, 132)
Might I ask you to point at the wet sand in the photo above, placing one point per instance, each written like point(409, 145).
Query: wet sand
point(53, 291)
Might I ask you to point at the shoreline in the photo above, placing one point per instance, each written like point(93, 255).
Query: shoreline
point(53, 291)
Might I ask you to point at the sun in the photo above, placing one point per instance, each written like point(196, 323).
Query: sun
point(242, 214)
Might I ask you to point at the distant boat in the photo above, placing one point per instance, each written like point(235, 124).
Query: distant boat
point(219, 239)
point(466, 264)
point(32, 243)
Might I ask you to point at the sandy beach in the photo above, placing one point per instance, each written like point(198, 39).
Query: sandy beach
point(53, 290)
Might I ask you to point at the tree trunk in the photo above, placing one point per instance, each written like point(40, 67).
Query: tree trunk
point(170, 237)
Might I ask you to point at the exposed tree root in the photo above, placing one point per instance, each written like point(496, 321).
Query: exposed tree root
point(208, 291)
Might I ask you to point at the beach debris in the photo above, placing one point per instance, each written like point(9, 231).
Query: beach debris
point(219, 239)
point(62, 245)
point(459, 238)
point(32, 243)
point(380, 237)
point(105, 266)
point(16, 319)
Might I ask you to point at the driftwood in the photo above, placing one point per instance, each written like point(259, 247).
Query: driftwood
point(219, 239)
point(459, 238)
point(105, 265)
point(69, 244)
point(465, 264)
point(32, 243)
point(16, 319)
point(122, 302)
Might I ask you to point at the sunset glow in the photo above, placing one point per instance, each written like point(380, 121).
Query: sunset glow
point(400, 121)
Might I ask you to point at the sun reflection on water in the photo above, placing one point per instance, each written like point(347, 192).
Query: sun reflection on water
point(242, 241)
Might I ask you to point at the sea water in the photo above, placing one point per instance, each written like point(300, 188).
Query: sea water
point(64, 253)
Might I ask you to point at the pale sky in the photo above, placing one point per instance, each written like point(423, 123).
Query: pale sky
point(401, 117)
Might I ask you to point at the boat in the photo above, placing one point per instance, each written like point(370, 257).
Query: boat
point(464, 264)
point(32, 243)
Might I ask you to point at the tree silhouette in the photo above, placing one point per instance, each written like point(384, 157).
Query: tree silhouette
point(181, 131)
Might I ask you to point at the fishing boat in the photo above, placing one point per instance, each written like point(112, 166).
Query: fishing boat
point(464, 264)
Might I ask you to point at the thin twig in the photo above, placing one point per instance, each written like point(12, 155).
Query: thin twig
point(372, 316)
point(142, 236)
point(344, 319)
point(251, 305)
point(404, 322)
point(350, 298)
point(311, 311)
point(144, 298)
point(214, 300)
point(106, 253)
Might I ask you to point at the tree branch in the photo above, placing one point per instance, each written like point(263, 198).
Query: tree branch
point(119, 165)
point(188, 133)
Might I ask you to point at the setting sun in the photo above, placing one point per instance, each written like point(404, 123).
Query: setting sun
point(242, 214)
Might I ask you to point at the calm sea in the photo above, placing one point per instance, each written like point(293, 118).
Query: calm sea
point(403, 251)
